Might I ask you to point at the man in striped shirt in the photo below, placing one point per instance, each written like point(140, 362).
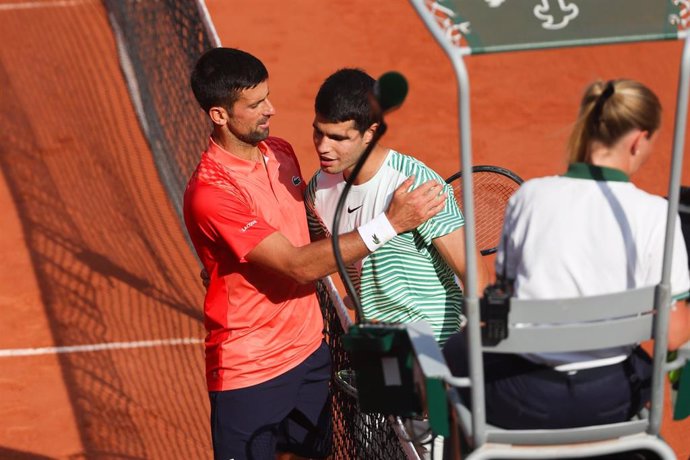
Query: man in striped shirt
point(413, 276)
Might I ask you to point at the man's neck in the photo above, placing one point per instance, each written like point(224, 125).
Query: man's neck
point(235, 146)
point(371, 166)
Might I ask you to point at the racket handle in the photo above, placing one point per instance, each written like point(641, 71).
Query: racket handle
point(494, 307)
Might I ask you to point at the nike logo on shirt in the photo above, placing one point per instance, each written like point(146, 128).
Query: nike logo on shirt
point(350, 211)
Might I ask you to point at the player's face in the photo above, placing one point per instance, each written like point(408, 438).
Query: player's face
point(249, 117)
point(339, 145)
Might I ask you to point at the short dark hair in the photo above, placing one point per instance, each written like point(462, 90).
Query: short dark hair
point(221, 74)
point(347, 95)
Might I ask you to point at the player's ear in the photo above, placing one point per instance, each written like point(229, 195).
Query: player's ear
point(639, 141)
point(219, 116)
point(369, 133)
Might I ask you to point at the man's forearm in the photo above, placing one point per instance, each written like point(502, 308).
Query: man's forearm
point(318, 259)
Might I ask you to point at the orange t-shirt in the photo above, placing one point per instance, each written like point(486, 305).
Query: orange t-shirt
point(260, 324)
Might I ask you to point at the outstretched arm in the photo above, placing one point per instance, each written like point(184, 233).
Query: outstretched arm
point(407, 210)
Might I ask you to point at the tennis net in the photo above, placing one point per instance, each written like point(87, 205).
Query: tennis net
point(158, 44)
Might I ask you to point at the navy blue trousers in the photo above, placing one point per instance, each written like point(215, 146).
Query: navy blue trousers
point(523, 395)
point(289, 413)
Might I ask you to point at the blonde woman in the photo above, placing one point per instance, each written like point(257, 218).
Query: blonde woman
point(587, 232)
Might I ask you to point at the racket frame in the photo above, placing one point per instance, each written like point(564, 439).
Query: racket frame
point(492, 169)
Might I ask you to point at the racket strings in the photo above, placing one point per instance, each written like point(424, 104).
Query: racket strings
point(491, 193)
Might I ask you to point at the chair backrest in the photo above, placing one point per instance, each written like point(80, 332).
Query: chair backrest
point(568, 325)
point(577, 324)
point(559, 325)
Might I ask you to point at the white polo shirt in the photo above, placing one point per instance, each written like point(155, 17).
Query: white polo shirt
point(586, 233)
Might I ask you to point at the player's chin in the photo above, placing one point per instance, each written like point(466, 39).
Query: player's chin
point(330, 168)
point(259, 135)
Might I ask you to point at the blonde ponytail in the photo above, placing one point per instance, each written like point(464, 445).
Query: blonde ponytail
point(608, 111)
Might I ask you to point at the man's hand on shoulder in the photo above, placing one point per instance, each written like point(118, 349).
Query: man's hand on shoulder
point(409, 209)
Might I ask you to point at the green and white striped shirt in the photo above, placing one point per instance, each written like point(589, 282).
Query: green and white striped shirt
point(406, 279)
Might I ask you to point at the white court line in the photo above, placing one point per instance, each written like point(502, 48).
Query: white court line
point(12, 352)
point(47, 4)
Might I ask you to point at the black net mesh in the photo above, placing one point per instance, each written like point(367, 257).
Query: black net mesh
point(356, 435)
point(160, 41)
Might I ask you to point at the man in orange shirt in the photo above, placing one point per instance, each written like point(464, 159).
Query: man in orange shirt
point(267, 365)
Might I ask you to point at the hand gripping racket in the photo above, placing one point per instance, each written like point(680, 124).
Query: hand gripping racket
point(493, 186)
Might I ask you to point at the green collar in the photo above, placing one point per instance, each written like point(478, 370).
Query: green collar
point(598, 173)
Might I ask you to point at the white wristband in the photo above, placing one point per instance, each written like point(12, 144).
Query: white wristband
point(377, 232)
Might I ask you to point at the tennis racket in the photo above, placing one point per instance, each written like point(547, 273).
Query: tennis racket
point(493, 186)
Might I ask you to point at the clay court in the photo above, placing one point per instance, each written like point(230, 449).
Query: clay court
point(94, 255)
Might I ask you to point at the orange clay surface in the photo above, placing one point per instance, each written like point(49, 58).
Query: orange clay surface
point(92, 251)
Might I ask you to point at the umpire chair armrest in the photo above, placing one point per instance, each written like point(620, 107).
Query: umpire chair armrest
point(681, 358)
